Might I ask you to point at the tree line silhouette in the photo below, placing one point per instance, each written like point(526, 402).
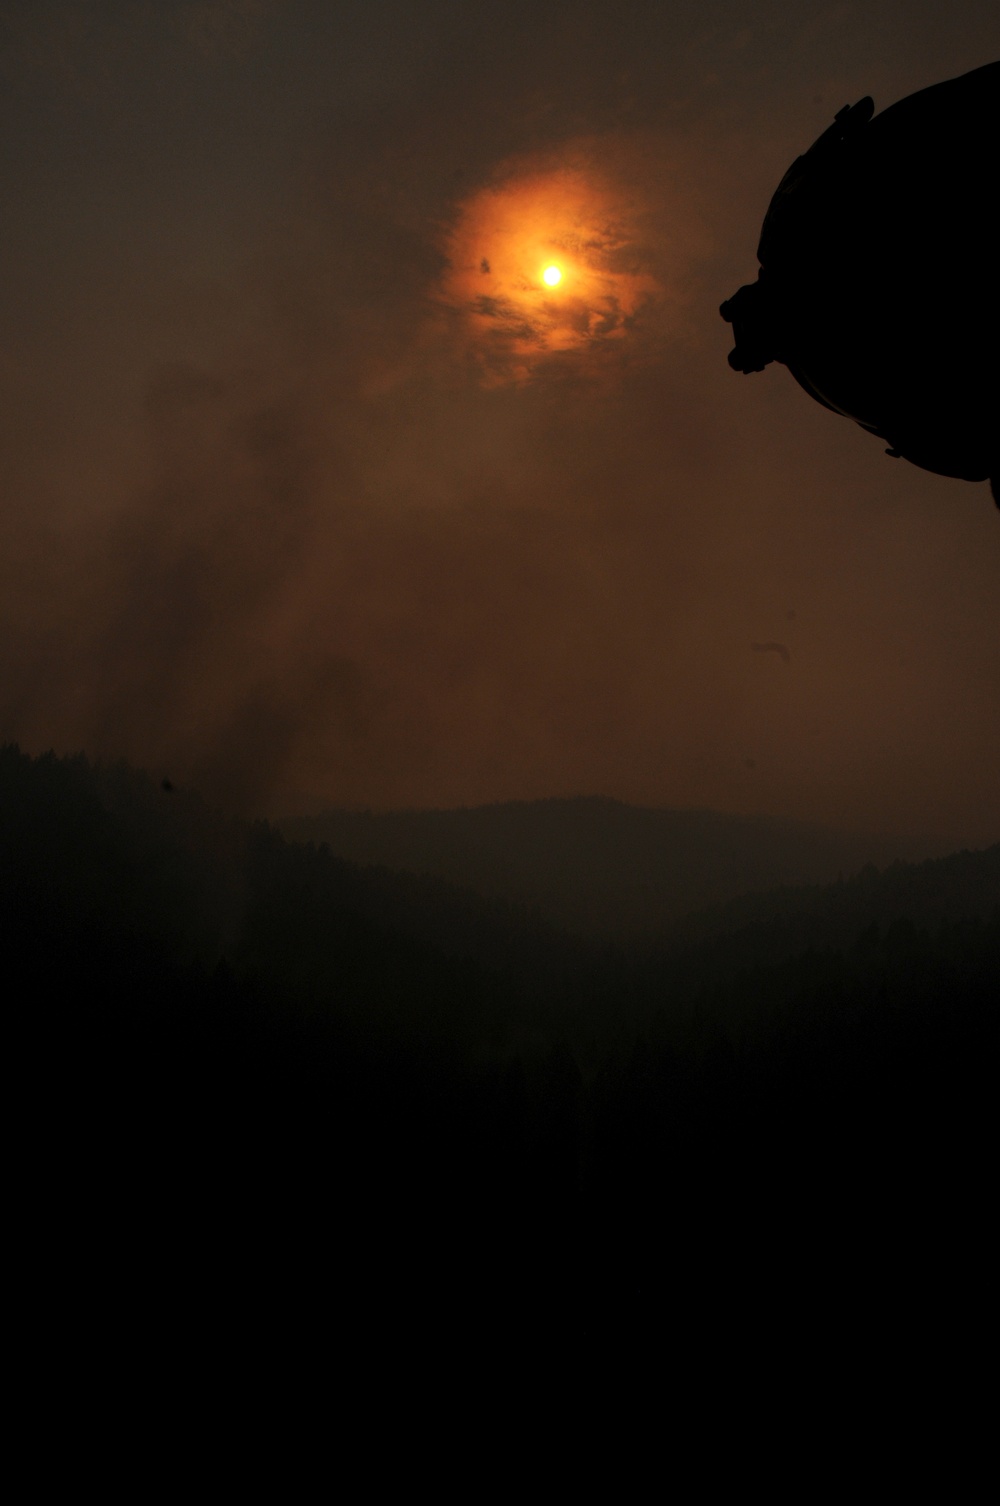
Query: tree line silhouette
point(240, 1054)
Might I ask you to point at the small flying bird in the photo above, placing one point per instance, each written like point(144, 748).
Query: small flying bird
point(166, 787)
point(772, 648)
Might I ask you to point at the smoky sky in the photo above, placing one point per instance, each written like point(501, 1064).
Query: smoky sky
point(313, 494)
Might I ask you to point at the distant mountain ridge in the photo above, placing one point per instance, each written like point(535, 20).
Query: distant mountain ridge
point(599, 867)
point(258, 1044)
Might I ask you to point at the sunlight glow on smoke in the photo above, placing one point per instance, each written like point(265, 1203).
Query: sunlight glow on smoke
point(544, 262)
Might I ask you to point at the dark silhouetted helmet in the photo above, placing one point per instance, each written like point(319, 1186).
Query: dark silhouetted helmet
point(879, 286)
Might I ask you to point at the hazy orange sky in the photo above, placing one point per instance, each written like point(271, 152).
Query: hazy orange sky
point(314, 493)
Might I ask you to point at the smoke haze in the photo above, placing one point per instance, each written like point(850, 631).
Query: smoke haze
point(300, 504)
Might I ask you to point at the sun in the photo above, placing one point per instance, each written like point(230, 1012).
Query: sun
point(534, 263)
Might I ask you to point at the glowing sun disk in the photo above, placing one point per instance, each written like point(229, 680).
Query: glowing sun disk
point(552, 276)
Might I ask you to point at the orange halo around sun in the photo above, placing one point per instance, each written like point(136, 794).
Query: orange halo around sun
point(518, 304)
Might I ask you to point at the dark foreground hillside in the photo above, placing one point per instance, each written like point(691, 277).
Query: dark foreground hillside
point(258, 1080)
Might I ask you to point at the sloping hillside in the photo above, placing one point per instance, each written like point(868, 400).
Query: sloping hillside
point(232, 1044)
point(598, 867)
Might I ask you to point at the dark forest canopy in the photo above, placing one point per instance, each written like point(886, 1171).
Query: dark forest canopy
point(104, 846)
point(101, 851)
point(230, 1030)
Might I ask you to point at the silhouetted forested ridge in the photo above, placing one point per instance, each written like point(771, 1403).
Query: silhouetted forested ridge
point(235, 1039)
point(91, 849)
point(959, 885)
point(100, 860)
point(937, 905)
point(599, 867)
